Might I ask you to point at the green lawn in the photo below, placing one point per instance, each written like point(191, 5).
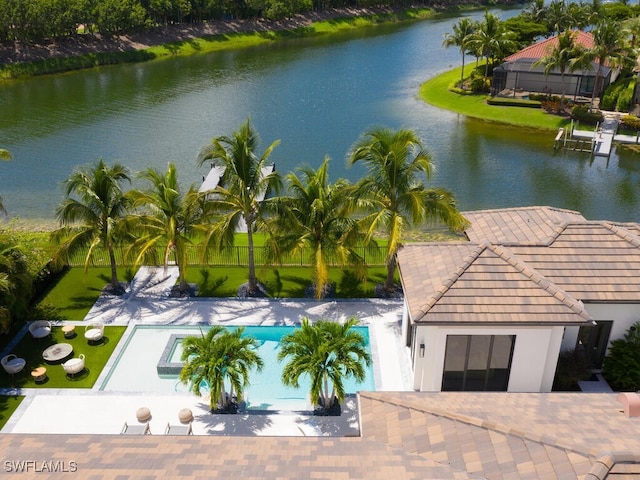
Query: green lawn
point(74, 294)
point(282, 282)
point(96, 356)
point(435, 92)
point(8, 405)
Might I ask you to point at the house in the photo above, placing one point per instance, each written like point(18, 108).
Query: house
point(518, 72)
point(494, 313)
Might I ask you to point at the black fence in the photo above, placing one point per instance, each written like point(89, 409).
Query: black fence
point(230, 257)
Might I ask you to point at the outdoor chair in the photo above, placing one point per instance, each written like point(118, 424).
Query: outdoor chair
point(94, 332)
point(40, 329)
point(178, 429)
point(74, 366)
point(143, 429)
point(13, 364)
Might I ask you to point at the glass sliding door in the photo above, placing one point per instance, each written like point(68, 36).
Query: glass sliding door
point(477, 362)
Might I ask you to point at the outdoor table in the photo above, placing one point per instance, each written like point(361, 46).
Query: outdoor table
point(39, 374)
point(69, 331)
point(57, 352)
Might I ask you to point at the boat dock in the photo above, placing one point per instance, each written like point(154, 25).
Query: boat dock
point(598, 142)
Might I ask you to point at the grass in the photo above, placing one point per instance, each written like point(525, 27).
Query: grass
point(283, 282)
point(436, 92)
point(96, 357)
point(8, 405)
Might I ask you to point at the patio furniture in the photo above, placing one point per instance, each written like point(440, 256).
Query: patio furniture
point(69, 331)
point(39, 374)
point(94, 332)
point(40, 329)
point(185, 416)
point(178, 429)
point(74, 366)
point(143, 429)
point(57, 352)
point(143, 414)
point(12, 364)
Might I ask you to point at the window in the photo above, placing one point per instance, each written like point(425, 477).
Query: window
point(477, 362)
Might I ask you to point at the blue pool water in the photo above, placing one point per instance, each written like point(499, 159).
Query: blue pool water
point(134, 369)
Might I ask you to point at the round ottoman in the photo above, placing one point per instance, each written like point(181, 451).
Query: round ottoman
point(185, 415)
point(143, 414)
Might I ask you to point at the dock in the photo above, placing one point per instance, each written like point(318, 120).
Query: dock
point(598, 142)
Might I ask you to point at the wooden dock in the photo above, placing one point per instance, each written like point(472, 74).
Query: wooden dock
point(598, 142)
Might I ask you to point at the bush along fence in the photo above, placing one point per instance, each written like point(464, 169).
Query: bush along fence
point(229, 257)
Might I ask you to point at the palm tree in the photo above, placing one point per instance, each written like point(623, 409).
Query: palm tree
point(15, 284)
point(245, 183)
point(393, 192)
point(460, 38)
point(92, 215)
point(315, 220)
point(327, 352)
point(165, 218)
point(219, 356)
point(492, 40)
point(608, 46)
point(565, 56)
point(4, 155)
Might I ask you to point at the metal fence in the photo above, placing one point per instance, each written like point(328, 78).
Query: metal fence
point(230, 257)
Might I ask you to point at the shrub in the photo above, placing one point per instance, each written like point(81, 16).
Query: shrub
point(630, 122)
point(582, 114)
point(544, 97)
point(621, 367)
point(626, 97)
point(480, 84)
point(551, 106)
point(572, 367)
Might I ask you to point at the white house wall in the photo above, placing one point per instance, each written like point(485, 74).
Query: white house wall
point(533, 366)
point(623, 316)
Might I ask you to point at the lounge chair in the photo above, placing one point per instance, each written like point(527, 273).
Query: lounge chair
point(178, 429)
point(13, 364)
point(40, 329)
point(74, 366)
point(94, 332)
point(143, 429)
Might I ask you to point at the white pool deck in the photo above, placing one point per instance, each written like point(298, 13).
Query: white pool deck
point(95, 411)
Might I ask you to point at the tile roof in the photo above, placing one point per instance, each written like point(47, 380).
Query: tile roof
point(404, 435)
point(523, 265)
point(518, 225)
point(489, 285)
point(540, 49)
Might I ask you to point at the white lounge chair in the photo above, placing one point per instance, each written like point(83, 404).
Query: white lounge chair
point(94, 332)
point(40, 329)
point(13, 364)
point(74, 366)
point(143, 429)
point(178, 429)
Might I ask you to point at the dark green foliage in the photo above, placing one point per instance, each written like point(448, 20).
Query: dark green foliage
point(526, 31)
point(513, 102)
point(615, 11)
point(583, 115)
point(621, 366)
point(618, 95)
point(572, 367)
point(480, 84)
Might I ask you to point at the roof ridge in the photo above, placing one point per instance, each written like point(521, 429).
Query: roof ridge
point(543, 282)
point(623, 233)
point(449, 281)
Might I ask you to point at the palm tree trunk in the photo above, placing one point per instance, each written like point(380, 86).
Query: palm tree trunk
point(253, 283)
point(325, 392)
point(391, 270)
point(114, 270)
point(596, 86)
point(462, 74)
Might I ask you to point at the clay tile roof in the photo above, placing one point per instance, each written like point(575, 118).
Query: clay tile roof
point(470, 283)
point(540, 49)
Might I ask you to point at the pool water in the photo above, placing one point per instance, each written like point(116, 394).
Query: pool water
point(134, 369)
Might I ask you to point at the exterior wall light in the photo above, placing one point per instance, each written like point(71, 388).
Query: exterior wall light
point(421, 350)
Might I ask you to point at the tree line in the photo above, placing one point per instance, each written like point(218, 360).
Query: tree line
point(35, 20)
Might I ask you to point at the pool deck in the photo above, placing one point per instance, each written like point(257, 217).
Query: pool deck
point(93, 411)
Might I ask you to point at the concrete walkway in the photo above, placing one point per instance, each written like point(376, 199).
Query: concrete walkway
point(147, 303)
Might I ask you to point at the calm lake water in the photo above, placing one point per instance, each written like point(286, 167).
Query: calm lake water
point(317, 96)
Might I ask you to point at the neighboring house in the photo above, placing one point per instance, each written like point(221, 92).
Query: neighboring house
point(495, 312)
point(518, 72)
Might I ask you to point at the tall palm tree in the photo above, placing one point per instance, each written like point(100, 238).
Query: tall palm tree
point(393, 192)
point(217, 357)
point(565, 56)
point(608, 46)
point(327, 352)
point(244, 184)
point(492, 40)
point(92, 215)
point(15, 284)
point(460, 38)
point(167, 218)
point(316, 220)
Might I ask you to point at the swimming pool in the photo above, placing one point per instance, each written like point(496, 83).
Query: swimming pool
point(135, 368)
